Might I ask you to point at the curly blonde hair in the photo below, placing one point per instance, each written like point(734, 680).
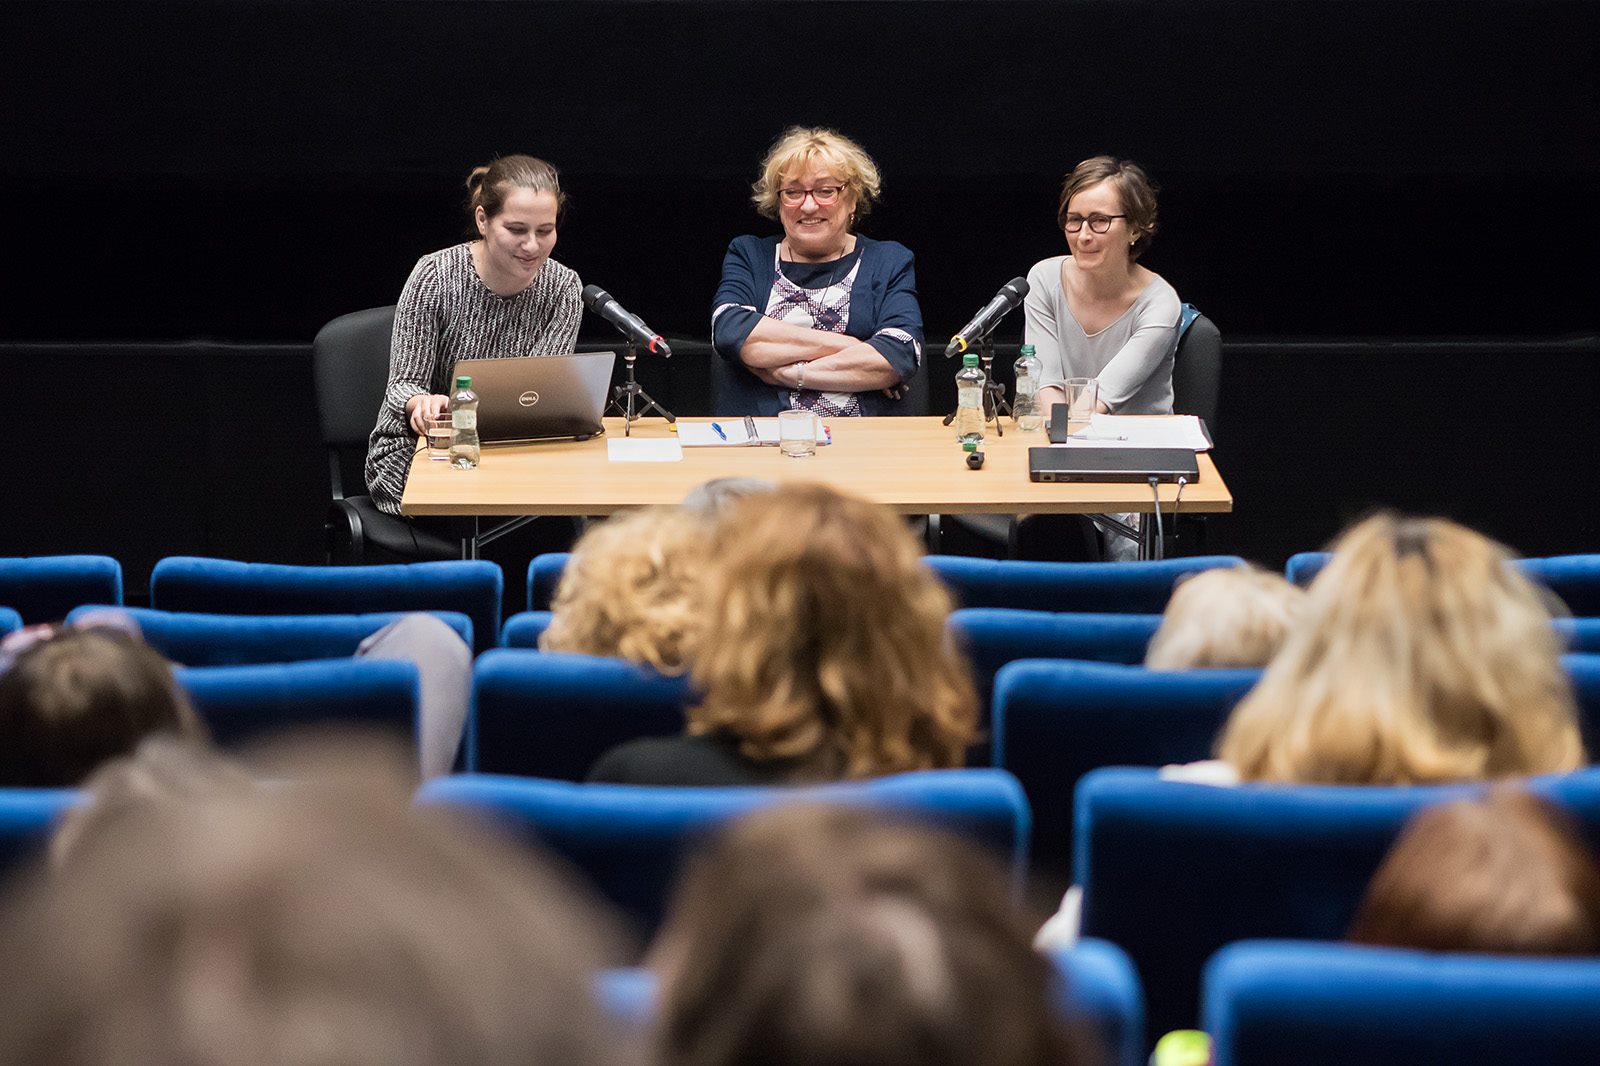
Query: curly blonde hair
point(1233, 616)
point(626, 590)
point(1422, 656)
point(800, 146)
point(825, 642)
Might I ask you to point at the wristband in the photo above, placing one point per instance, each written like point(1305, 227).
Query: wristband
point(800, 374)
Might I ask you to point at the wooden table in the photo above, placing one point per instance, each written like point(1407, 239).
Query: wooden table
point(913, 465)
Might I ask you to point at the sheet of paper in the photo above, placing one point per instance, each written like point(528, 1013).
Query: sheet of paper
point(704, 434)
point(1137, 431)
point(629, 450)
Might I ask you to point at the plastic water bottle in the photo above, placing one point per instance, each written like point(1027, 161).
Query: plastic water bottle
point(969, 399)
point(464, 425)
point(1026, 407)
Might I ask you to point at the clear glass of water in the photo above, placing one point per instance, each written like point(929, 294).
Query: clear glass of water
point(1082, 395)
point(797, 433)
point(439, 438)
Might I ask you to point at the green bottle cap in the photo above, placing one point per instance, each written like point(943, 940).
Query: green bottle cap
point(970, 359)
point(969, 445)
point(463, 382)
point(1026, 349)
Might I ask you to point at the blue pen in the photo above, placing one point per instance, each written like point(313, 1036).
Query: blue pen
point(718, 430)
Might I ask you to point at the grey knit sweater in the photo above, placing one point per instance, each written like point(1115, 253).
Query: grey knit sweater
point(447, 315)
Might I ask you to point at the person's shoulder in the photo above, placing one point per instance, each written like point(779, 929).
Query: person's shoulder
point(892, 251)
point(561, 278)
point(1046, 271)
point(676, 760)
point(1160, 299)
point(451, 260)
point(749, 245)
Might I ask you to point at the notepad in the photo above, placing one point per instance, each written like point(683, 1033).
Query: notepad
point(642, 450)
point(734, 434)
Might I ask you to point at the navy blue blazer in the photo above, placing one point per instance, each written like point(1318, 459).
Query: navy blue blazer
point(884, 296)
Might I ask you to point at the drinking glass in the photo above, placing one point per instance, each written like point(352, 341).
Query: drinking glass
point(439, 438)
point(797, 433)
point(1082, 395)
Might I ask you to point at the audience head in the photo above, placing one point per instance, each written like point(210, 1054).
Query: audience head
point(75, 696)
point(319, 921)
point(1420, 656)
point(1135, 198)
point(824, 642)
point(1506, 873)
point(1238, 616)
point(710, 498)
point(626, 590)
point(803, 150)
point(829, 937)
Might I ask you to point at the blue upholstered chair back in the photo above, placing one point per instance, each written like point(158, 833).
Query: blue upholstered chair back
point(994, 636)
point(1581, 634)
point(552, 715)
point(544, 574)
point(1574, 578)
point(1172, 871)
point(1056, 721)
point(629, 839)
point(221, 586)
point(1099, 991)
point(235, 640)
point(523, 629)
point(10, 621)
point(1119, 588)
point(27, 818)
point(1335, 1004)
point(240, 703)
point(45, 588)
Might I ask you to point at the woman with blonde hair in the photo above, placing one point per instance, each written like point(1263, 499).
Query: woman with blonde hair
point(1422, 656)
point(626, 590)
point(818, 317)
point(1232, 617)
point(823, 655)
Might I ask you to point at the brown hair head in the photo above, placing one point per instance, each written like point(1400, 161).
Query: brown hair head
point(81, 697)
point(1134, 189)
point(320, 921)
point(488, 186)
point(1507, 873)
point(832, 937)
point(825, 643)
point(1421, 656)
point(803, 146)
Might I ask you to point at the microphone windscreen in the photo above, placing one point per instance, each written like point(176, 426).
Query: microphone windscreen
point(594, 297)
point(1018, 286)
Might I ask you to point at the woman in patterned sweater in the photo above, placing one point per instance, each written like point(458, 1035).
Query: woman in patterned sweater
point(819, 317)
point(501, 295)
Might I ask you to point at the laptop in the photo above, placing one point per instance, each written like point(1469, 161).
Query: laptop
point(540, 397)
point(1112, 464)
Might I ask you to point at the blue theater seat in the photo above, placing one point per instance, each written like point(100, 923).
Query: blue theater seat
point(523, 629)
point(240, 703)
point(10, 621)
point(1317, 1004)
point(27, 818)
point(551, 714)
point(221, 586)
point(194, 639)
point(1119, 588)
point(544, 574)
point(44, 588)
point(629, 839)
point(1574, 578)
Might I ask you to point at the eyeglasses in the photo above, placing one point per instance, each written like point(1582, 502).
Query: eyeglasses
point(1097, 223)
point(822, 194)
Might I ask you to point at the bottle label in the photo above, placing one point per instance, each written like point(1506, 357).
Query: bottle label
point(969, 396)
point(464, 419)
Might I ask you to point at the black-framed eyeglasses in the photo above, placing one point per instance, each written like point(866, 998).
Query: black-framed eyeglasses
point(1097, 223)
point(822, 194)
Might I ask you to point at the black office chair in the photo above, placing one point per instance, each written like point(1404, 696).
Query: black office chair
point(350, 362)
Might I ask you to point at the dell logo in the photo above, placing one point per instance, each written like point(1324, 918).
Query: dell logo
point(528, 399)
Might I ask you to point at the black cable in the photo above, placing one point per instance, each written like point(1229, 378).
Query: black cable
point(1161, 546)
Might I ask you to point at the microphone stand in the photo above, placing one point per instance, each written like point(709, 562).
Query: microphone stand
point(629, 396)
point(994, 393)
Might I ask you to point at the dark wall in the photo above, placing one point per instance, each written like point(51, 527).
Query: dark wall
point(249, 170)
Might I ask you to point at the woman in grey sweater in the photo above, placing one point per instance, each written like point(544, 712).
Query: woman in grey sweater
point(501, 295)
point(1097, 313)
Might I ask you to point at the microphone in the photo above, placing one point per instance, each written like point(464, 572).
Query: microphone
point(1009, 296)
point(629, 325)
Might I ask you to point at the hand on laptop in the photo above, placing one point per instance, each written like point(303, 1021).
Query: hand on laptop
point(423, 406)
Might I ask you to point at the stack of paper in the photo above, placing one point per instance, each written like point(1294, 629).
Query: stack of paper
point(1141, 431)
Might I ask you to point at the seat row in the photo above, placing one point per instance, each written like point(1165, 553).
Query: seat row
point(1173, 874)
